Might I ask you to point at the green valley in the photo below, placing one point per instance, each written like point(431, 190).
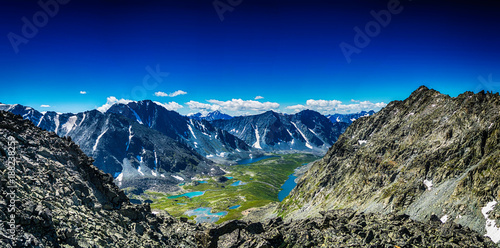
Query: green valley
point(257, 185)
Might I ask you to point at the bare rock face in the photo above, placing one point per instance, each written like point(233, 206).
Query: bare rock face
point(55, 197)
point(429, 154)
point(345, 228)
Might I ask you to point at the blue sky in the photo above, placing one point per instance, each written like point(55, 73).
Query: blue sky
point(287, 52)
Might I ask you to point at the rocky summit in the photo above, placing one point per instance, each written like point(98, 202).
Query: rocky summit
point(430, 154)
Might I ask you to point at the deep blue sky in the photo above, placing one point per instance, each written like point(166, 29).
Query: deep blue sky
point(285, 51)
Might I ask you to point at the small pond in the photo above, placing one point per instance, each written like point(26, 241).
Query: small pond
point(189, 194)
point(203, 215)
point(237, 183)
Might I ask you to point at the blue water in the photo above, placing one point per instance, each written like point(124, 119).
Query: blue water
point(253, 160)
point(180, 184)
point(287, 187)
point(237, 183)
point(116, 174)
point(202, 181)
point(235, 207)
point(204, 215)
point(181, 203)
point(189, 194)
point(229, 178)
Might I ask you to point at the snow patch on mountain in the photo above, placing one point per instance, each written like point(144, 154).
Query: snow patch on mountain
point(428, 184)
point(137, 118)
point(56, 121)
point(444, 218)
point(191, 129)
point(492, 231)
point(41, 119)
point(130, 135)
point(308, 145)
point(178, 177)
point(139, 170)
point(70, 124)
point(257, 136)
point(97, 140)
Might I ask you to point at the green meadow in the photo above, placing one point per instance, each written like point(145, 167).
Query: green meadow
point(263, 180)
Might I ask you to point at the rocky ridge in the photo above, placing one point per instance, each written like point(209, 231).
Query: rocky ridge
point(429, 154)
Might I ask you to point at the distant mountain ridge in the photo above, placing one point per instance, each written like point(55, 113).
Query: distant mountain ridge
point(201, 135)
point(212, 116)
point(349, 118)
point(270, 131)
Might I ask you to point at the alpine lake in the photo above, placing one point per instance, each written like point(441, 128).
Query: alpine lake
point(248, 185)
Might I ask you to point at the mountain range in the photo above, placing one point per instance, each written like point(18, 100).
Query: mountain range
point(305, 131)
point(125, 147)
point(62, 200)
point(143, 141)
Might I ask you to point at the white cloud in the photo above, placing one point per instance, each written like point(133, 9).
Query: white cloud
point(83, 92)
point(297, 107)
point(335, 106)
point(352, 100)
point(44, 106)
point(202, 106)
point(173, 94)
point(244, 105)
point(259, 97)
point(236, 106)
point(170, 106)
point(110, 101)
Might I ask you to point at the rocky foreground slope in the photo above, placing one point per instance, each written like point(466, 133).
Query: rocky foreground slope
point(59, 199)
point(429, 154)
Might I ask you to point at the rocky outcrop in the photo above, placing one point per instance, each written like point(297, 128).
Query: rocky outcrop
point(344, 228)
point(54, 197)
point(429, 154)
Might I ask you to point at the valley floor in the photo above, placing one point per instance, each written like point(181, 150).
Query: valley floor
point(248, 187)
